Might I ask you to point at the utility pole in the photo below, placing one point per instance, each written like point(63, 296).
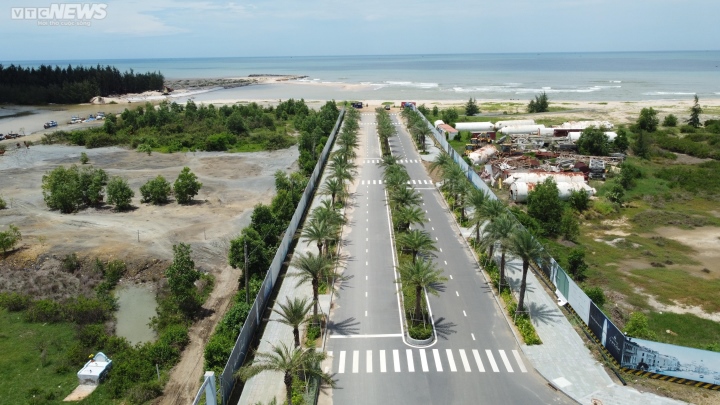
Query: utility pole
point(247, 281)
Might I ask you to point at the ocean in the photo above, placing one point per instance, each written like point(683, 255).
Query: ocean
point(609, 76)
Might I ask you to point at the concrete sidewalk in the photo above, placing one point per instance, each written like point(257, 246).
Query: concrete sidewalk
point(562, 358)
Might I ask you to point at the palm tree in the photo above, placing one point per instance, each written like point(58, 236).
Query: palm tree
point(476, 200)
point(502, 229)
point(420, 275)
point(493, 209)
point(334, 188)
point(408, 215)
point(405, 197)
point(312, 269)
point(320, 232)
point(388, 161)
point(326, 212)
point(524, 246)
point(421, 131)
point(290, 362)
point(293, 314)
point(416, 241)
point(441, 161)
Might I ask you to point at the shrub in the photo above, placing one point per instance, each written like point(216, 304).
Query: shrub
point(44, 310)
point(3, 204)
point(637, 326)
point(569, 225)
point(648, 120)
point(156, 191)
point(70, 263)
point(576, 264)
point(9, 238)
point(670, 121)
point(579, 200)
point(143, 147)
point(119, 193)
point(628, 174)
point(596, 294)
point(616, 194)
point(186, 186)
point(420, 332)
point(14, 302)
point(84, 158)
point(313, 332)
point(69, 189)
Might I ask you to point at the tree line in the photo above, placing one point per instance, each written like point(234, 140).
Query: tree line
point(71, 85)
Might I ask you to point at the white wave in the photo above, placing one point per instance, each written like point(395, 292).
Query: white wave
point(412, 84)
point(523, 90)
point(615, 81)
point(668, 93)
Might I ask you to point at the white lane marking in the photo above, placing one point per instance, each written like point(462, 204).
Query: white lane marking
point(491, 359)
point(368, 360)
point(457, 293)
point(451, 360)
point(430, 220)
point(341, 365)
point(374, 181)
point(472, 335)
point(464, 312)
point(366, 278)
point(379, 181)
point(440, 250)
point(426, 211)
point(365, 294)
point(366, 240)
point(367, 212)
point(356, 361)
point(366, 263)
point(367, 220)
point(413, 181)
point(445, 262)
point(517, 358)
point(505, 360)
point(383, 366)
point(451, 277)
point(365, 313)
point(478, 360)
point(423, 361)
point(433, 228)
point(396, 360)
point(365, 336)
point(465, 362)
point(366, 229)
point(436, 238)
point(362, 182)
point(366, 250)
point(438, 364)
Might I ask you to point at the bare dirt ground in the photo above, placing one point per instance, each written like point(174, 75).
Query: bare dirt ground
point(142, 237)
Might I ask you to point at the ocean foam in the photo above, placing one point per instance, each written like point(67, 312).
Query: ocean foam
point(411, 84)
point(668, 93)
point(528, 90)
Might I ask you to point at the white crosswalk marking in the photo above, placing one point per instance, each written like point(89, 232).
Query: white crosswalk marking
point(491, 359)
point(396, 361)
point(356, 361)
point(379, 181)
point(438, 364)
point(411, 365)
point(374, 181)
point(423, 361)
point(341, 366)
point(408, 182)
point(451, 360)
point(506, 361)
point(383, 366)
point(413, 181)
point(478, 360)
point(465, 362)
point(519, 361)
point(368, 360)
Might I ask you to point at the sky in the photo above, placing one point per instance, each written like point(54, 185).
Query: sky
point(130, 29)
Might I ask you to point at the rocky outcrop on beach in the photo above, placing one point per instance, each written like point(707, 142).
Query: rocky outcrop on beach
point(227, 83)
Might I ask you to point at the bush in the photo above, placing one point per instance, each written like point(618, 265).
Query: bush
point(637, 326)
point(44, 311)
point(576, 264)
point(648, 120)
point(9, 238)
point(420, 332)
point(186, 186)
point(616, 194)
point(596, 294)
point(629, 173)
point(14, 302)
point(69, 189)
point(670, 121)
point(84, 158)
point(569, 225)
point(156, 191)
point(540, 104)
point(313, 332)
point(70, 263)
point(579, 200)
point(119, 193)
point(3, 204)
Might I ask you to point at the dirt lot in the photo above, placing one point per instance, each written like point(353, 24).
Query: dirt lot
point(143, 237)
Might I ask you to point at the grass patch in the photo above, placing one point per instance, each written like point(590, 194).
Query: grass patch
point(550, 121)
point(647, 220)
point(687, 330)
point(503, 107)
point(554, 108)
point(671, 286)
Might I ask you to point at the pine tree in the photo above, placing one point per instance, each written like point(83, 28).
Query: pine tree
point(695, 112)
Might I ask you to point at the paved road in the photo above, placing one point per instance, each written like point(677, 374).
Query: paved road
point(475, 359)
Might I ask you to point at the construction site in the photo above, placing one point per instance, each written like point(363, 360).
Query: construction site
point(516, 155)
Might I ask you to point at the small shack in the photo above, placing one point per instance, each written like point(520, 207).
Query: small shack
point(449, 131)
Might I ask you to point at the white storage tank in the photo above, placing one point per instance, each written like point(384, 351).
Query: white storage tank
point(574, 136)
point(483, 155)
point(611, 136)
point(474, 126)
point(438, 123)
point(519, 191)
point(521, 129)
point(538, 177)
point(502, 124)
point(546, 131)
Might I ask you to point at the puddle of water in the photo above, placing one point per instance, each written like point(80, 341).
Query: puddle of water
point(136, 306)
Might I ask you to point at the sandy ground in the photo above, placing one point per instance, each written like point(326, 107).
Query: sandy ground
point(232, 185)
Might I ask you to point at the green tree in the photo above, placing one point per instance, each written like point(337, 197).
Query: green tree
point(524, 246)
point(616, 194)
point(544, 205)
point(333, 187)
point(405, 216)
point(449, 115)
point(435, 111)
point(291, 363)
point(417, 242)
point(156, 191)
point(61, 189)
point(312, 269)
point(539, 105)
point(641, 146)
point(501, 230)
point(629, 173)
point(420, 275)
point(84, 158)
point(186, 186)
point(670, 121)
point(569, 225)
point(637, 326)
point(258, 258)
point(593, 141)
point(621, 143)
point(293, 314)
point(695, 111)
point(471, 108)
point(648, 120)
point(596, 295)
point(322, 233)
point(9, 238)
point(576, 264)
point(579, 200)
point(143, 147)
point(236, 124)
point(181, 277)
point(476, 200)
point(119, 193)
point(92, 183)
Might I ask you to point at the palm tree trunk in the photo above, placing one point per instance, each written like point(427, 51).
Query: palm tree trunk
point(333, 199)
point(315, 297)
point(414, 252)
point(418, 309)
point(296, 335)
point(477, 234)
point(521, 300)
point(491, 249)
point(319, 245)
point(502, 269)
point(288, 386)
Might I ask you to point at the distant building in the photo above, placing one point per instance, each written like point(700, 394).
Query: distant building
point(642, 358)
point(451, 132)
